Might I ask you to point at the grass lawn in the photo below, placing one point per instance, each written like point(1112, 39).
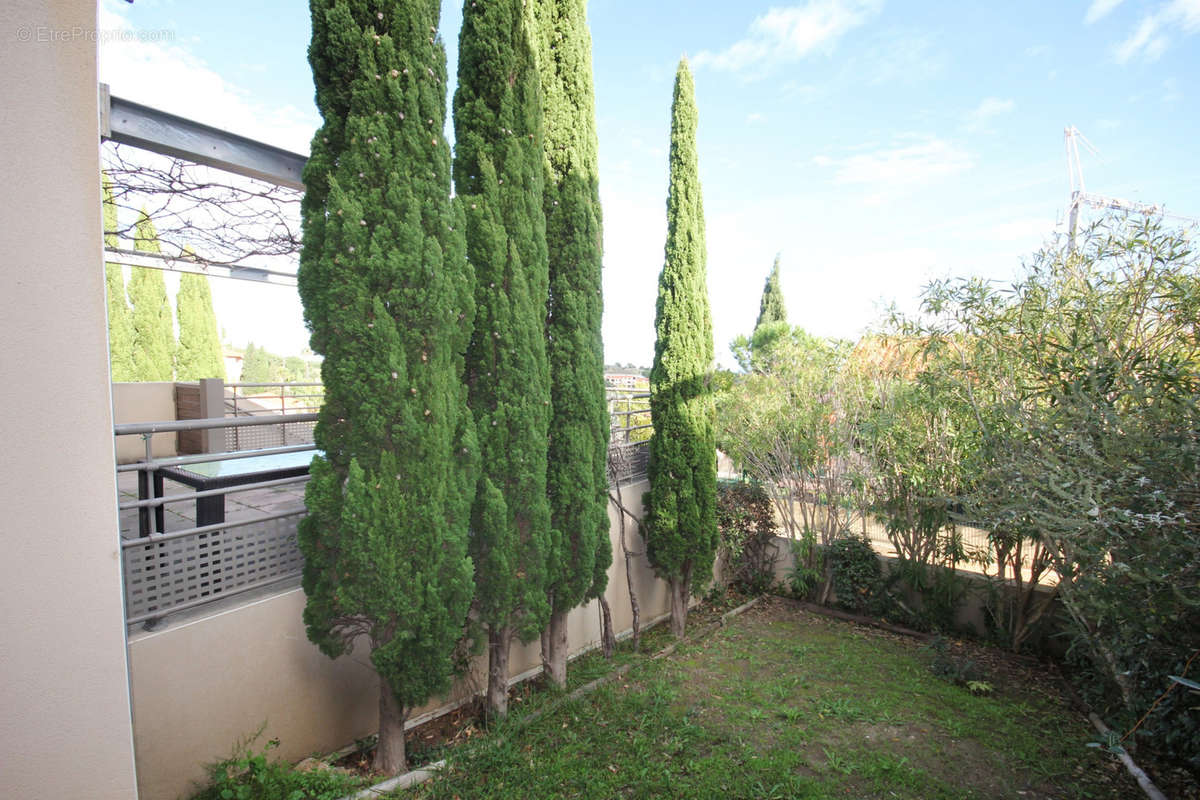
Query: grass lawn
point(784, 703)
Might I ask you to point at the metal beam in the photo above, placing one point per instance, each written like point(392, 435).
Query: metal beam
point(130, 123)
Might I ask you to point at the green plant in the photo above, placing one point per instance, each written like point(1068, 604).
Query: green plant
point(805, 575)
point(857, 575)
point(956, 669)
point(576, 475)
point(251, 774)
point(1083, 380)
point(746, 524)
point(681, 507)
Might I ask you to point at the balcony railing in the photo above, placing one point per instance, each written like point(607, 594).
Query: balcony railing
point(175, 559)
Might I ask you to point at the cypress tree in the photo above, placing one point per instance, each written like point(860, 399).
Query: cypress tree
point(498, 175)
point(120, 318)
point(681, 523)
point(576, 477)
point(771, 309)
point(387, 298)
point(153, 327)
point(199, 354)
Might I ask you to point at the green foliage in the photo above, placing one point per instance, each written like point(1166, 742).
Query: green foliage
point(260, 366)
point(253, 775)
point(771, 309)
point(793, 427)
point(857, 575)
point(387, 298)
point(576, 476)
point(1083, 378)
point(153, 328)
point(807, 566)
point(498, 175)
point(120, 317)
point(681, 527)
point(199, 354)
point(957, 669)
point(746, 523)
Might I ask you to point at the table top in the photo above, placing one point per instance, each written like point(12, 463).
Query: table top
point(252, 465)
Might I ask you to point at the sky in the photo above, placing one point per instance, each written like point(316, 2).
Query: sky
point(873, 145)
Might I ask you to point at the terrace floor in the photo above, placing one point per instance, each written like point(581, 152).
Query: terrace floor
point(180, 515)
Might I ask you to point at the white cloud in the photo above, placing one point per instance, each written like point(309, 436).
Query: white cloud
point(1099, 9)
point(988, 108)
point(168, 76)
point(1150, 38)
point(791, 33)
point(755, 118)
point(893, 170)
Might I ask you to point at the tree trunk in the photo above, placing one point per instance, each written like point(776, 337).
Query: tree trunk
point(554, 650)
point(680, 592)
point(633, 598)
point(390, 757)
point(607, 640)
point(497, 689)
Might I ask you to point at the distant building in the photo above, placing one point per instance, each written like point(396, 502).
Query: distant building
point(617, 380)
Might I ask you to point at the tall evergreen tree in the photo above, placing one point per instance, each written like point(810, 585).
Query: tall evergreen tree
point(153, 326)
point(387, 297)
point(498, 175)
point(199, 355)
point(681, 523)
point(771, 309)
point(576, 477)
point(120, 317)
point(757, 353)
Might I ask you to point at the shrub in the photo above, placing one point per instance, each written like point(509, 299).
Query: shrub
point(746, 523)
point(252, 775)
point(857, 575)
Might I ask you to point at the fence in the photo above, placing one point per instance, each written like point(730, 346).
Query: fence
point(207, 556)
point(287, 399)
point(629, 438)
point(210, 558)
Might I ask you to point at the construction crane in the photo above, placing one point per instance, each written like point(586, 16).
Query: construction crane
point(1079, 195)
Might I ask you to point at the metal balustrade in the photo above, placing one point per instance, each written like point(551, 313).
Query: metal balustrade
point(172, 563)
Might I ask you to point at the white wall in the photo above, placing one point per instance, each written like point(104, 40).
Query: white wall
point(65, 728)
point(144, 402)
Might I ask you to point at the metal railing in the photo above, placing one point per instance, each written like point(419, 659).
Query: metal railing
point(629, 438)
point(287, 400)
point(172, 570)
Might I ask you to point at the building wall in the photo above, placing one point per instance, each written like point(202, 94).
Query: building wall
point(65, 727)
point(201, 685)
point(144, 402)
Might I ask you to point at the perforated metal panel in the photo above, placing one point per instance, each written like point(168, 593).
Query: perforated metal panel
point(160, 576)
point(254, 438)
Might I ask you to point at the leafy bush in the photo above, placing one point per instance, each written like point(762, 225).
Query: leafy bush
point(252, 775)
point(805, 574)
point(959, 670)
point(857, 575)
point(1083, 378)
point(746, 522)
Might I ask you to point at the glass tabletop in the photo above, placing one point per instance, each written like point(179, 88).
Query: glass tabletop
point(248, 466)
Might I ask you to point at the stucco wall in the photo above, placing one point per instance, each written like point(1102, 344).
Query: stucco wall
point(64, 706)
point(200, 685)
point(144, 402)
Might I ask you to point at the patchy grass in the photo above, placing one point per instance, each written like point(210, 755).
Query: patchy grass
point(783, 703)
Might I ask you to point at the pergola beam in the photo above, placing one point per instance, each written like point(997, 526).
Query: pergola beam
point(130, 123)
